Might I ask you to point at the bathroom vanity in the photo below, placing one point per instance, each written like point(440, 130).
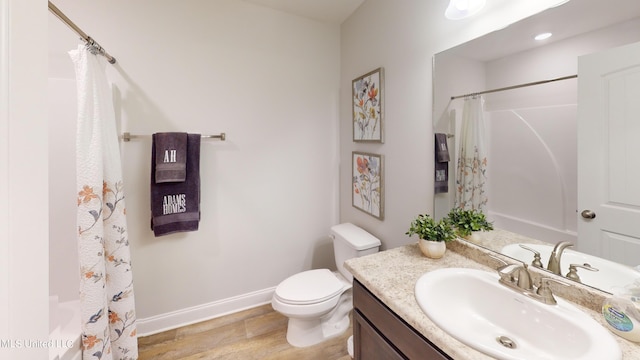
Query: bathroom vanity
point(389, 324)
point(380, 333)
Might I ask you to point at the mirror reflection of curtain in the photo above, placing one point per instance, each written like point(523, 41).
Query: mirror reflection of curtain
point(471, 176)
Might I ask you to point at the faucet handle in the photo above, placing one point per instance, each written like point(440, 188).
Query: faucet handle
point(545, 291)
point(504, 263)
point(503, 275)
point(573, 271)
point(505, 270)
point(536, 257)
point(514, 274)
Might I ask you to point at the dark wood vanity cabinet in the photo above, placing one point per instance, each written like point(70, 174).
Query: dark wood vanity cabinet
point(379, 334)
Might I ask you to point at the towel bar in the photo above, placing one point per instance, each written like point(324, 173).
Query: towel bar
point(126, 136)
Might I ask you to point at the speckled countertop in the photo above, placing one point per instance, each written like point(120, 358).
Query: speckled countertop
point(391, 276)
point(497, 239)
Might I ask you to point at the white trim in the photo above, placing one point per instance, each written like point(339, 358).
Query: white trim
point(4, 169)
point(195, 314)
point(25, 126)
point(531, 229)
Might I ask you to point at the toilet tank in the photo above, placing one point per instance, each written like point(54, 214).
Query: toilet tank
point(350, 241)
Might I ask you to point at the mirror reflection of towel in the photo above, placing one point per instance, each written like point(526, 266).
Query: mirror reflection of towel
point(175, 206)
point(441, 164)
point(442, 148)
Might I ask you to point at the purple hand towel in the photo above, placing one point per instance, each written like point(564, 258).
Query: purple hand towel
point(175, 206)
point(170, 156)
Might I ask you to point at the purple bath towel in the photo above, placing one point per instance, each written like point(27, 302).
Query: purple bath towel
point(175, 206)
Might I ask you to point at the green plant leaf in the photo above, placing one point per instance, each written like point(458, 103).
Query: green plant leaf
point(467, 221)
point(425, 227)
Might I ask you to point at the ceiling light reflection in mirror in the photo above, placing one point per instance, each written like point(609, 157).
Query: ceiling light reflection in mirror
point(460, 9)
point(543, 36)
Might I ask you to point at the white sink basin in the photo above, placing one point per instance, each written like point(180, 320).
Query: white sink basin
point(609, 277)
point(474, 308)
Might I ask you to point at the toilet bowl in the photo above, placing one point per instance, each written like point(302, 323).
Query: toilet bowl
point(318, 302)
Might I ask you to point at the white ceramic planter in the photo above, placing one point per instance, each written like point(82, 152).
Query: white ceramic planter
point(475, 237)
point(432, 249)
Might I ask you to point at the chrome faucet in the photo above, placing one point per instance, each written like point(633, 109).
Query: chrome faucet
point(556, 255)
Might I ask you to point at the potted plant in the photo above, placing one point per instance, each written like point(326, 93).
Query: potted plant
point(468, 222)
point(433, 235)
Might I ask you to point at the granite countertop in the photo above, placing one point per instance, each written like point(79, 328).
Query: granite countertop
point(391, 276)
point(498, 238)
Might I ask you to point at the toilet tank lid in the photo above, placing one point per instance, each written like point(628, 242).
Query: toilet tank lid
point(358, 238)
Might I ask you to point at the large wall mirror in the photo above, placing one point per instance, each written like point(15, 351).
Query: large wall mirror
point(532, 134)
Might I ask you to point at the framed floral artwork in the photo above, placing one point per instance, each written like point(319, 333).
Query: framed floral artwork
point(367, 183)
point(368, 110)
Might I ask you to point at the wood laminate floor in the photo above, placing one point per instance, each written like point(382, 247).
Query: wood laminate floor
point(258, 333)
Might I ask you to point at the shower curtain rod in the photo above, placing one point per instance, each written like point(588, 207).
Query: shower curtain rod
point(515, 86)
point(90, 42)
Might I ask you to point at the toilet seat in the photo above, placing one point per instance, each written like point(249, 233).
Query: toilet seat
point(309, 287)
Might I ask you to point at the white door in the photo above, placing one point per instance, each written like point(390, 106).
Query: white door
point(609, 154)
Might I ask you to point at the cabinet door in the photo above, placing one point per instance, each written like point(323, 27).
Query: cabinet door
point(391, 329)
point(370, 345)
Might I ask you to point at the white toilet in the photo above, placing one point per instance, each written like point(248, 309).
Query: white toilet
point(318, 302)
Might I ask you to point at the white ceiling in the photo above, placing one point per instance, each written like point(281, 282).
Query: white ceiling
point(332, 11)
point(573, 18)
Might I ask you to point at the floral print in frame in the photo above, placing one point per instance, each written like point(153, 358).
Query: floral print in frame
point(368, 111)
point(367, 184)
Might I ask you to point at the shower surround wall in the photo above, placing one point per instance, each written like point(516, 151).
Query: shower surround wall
point(267, 79)
point(542, 161)
point(63, 248)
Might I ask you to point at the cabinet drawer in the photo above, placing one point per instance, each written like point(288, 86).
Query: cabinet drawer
point(397, 332)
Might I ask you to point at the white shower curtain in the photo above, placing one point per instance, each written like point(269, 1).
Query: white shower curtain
point(106, 284)
point(472, 162)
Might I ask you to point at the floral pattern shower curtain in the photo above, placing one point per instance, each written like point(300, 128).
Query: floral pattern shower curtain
point(471, 174)
point(106, 285)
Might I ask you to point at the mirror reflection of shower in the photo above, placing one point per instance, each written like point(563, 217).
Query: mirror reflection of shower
point(532, 131)
point(531, 160)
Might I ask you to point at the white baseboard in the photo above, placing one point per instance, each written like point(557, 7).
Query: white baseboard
point(163, 322)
